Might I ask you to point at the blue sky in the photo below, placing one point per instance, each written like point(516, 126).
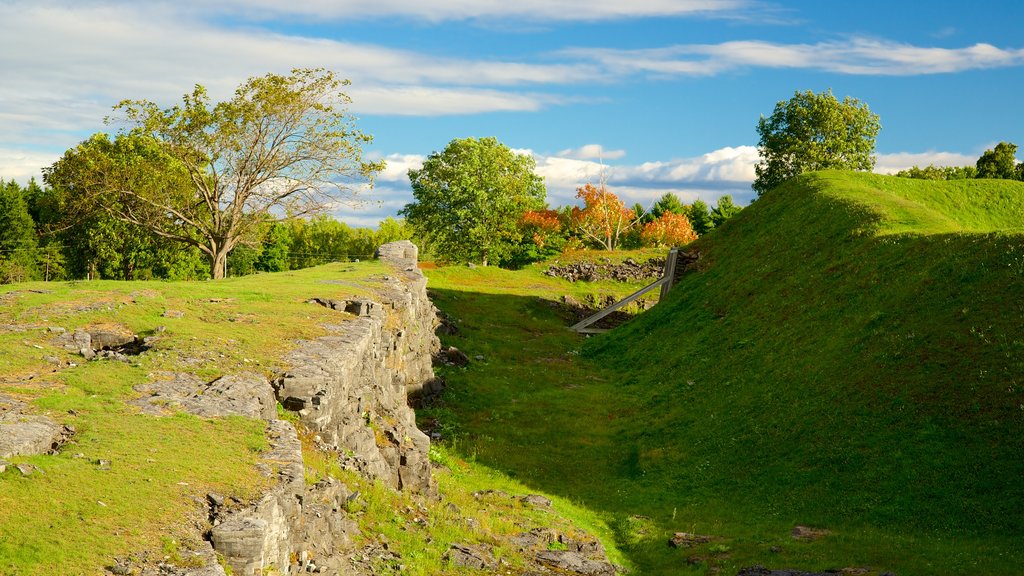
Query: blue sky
point(665, 92)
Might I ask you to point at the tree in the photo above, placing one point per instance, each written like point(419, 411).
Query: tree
point(700, 217)
point(18, 245)
point(724, 209)
point(814, 132)
point(209, 174)
point(932, 172)
point(669, 202)
point(604, 218)
point(670, 229)
point(469, 199)
point(1000, 162)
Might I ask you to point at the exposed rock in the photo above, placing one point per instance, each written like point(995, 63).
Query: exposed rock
point(261, 536)
point(243, 394)
point(808, 533)
point(536, 500)
point(351, 388)
point(356, 307)
point(109, 340)
point(575, 563)
point(454, 357)
point(687, 540)
point(465, 555)
point(762, 571)
point(628, 271)
point(173, 314)
point(23, 433)
point(26, 469)
point(536, 539)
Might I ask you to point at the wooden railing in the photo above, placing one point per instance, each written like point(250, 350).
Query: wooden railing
point(665, 282)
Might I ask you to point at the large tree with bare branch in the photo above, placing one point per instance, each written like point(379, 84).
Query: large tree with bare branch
point(209, 174)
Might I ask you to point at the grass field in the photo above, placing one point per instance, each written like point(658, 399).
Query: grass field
point(849, 357)
point(74, 516)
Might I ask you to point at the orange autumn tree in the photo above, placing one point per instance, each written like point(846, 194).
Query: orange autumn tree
point(604, 218)
point(670, 229)
point(542, 226)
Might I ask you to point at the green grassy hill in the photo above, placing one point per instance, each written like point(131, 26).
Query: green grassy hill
point(849, 356)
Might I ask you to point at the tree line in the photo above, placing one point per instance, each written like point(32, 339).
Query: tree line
point(42, 238)
point(478, 201)
point(998, 163)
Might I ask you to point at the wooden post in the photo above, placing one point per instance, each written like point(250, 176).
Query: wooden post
point(670, 272)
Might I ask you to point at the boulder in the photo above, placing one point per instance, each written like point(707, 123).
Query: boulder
point(575, 563)
point(478, 557)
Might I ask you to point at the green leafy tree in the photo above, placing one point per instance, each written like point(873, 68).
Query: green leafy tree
point(814, 132)
point(700, 217)
point(470, 197)
point(669, 202)
point(274, 251)
point(932, 172)
point(1000, 162)
point(392, 230)
point(209, 174)
point(723, 210)
point(18, 244)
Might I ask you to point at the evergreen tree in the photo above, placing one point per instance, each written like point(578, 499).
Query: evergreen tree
point(700, 217)
point(18, 244)
point(667, 203)
point(724, 210)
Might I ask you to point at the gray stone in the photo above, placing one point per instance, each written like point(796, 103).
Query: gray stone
point(536, 500)
point(352, 387)
point(242, 394)
point(261, 537)
point(762, 571)
point(687, 540)
point(455, 357)
point(575, 563)
point(107, 339)
point(468, 556)
point(24, 434)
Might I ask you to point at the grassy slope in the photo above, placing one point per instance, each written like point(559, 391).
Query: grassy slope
point(74, 517)
point(850, 358)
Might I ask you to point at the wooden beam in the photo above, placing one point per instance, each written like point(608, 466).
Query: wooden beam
point(670, 273)
point(594, 318)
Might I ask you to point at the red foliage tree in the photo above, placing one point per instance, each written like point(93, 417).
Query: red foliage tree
point(604, 218)
point(541, 225)
point(670, 229)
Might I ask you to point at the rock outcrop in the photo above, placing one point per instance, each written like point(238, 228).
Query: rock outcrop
point(351, 387)
point(23, 433)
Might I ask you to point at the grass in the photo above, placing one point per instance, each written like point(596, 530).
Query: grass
point(74, 516)
point(848, 357)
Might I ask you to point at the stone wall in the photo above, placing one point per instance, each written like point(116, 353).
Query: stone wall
point(350, 388)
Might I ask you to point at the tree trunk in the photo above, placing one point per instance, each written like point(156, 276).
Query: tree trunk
point(218, 264)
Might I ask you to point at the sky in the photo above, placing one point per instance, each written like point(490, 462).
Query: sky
point(659, 95)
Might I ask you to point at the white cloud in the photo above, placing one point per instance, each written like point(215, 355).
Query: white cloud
point(447, 10)
point(861, 56)
point(591, 152)
point(728, 170)
point(21, 166)
point(398, 166)
point(892, 163)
